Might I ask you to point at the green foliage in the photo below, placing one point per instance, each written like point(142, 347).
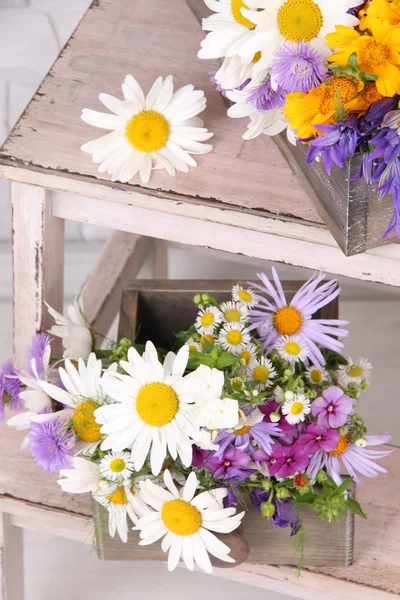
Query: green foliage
point(330, 501)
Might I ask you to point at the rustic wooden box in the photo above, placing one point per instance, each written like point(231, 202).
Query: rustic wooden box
point(155, 310)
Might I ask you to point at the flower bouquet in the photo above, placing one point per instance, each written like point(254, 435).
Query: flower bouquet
point(253, 405)
point(326, 72)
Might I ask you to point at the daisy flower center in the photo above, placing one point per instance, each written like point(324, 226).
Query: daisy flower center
point(287, 321)
point(374, 54)
point(292, 348)
point(297, 408)
point(246, 355)
point(157, 404)
point(316, 376)
point(117, 465)
point(243, 430)
point(261, 373)
point(84, 422)
point(236, 8)
point(118, 497)
point(300, 20)
point(180, 517)
point(355, 371)
point(210, 338)
point(192, 349)
point(148, 131)
point(234, 337)
point(207, 319)
point(232, 315)
point(342, 446)
point(244, 295)
point(237, 384)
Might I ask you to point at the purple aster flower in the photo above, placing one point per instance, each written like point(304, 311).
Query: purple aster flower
point(332, 408)
point(357, 460)
point(233, 464)
point(39, 352)
point(319, 438)
point(265, 98)
point(338, 142)
point(51, 444)
point(251, 429)
point(287, 460)
point(298, 67)
point(12, 386)
point(284, 516)
point(273, 317)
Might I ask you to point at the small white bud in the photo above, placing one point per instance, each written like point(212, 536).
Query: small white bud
point(275, 417)
point(289, 395)
point(361, 442)
point(255, 392)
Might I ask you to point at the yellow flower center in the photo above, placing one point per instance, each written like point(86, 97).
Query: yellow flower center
point(292, 348)
point(339, 90)
point(246, 355)
point(296, 408)
point(374, 54)
point(237, 384)
point(210, 338)
point(117, 465)
point(316, 376)
point(148, 131)
point(255, 60)
point(118, 497)
point(243, 430)
point(157, 404)
point(236, 6)
point(84, 423)
point(234, 337)
point(244, 295)
point(180, 517)
point(342, 446)
point(355, 371)
point(192, 349)
point(371, 94)
point(287, 321)
point(232, 315)
point(207, 319)
point(261, 373)
point(300, 20)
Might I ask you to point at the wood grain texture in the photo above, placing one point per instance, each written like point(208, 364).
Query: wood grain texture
point(38, 265)
point(116, 38)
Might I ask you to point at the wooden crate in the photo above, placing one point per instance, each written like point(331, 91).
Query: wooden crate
point(156, 310)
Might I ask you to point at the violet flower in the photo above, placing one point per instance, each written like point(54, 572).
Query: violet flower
point(198, 457)
point(51, 444)
point(297, 67)
point(289, 433)
point(285, 514)
point(12, 386)
point(319, 438)
point(332, 408)
point(265, 98)
point(36, 352)
point(233, 464)
point(287, 460)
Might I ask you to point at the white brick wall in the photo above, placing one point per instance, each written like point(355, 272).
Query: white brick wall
point(32, 33)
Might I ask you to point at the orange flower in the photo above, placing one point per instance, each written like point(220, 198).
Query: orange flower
point(382, 10)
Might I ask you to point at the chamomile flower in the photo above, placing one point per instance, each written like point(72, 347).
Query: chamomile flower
point(116, 466)
point(317, 375)
point(193, 347)
point(234, 337)
point(296, 409)
point(237, 383)
point(185, 522)
point(234, 312)
point(355, 372)
point(245, 295)
point(121, 501)
point(292, 348)
point(249, 353)
point(82, 478)
point(262, 371)
point(160, 130)
point(208, 319)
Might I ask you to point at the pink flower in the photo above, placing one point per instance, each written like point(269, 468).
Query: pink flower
point(332, 408)
point(287, 460)
point(319, 438)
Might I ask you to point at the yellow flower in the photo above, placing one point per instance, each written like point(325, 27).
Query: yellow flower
point(382, 10)
point(378, 53)
point(324, 104)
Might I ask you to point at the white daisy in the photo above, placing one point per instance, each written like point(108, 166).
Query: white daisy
point(121, 501)
point(292, 348)
point(234, 337)
point(296, 408)
point(237, 383)
point(152, 410)
point(82, 478)
point(185, 522)
point(234, 312)
point(193, 346)
point(233, 72)
point(208, 319)
point(262, 371)
point(160, 130)
point(245, 295)
point(317, 375)
point(73, 330)
point(249, 353)
point(116, 466)
point(355, 371)
point(293, 21)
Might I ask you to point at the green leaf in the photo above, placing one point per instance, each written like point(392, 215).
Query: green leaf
point(309, 498)
point(354, 506)
point(209, 346)
point(339, 491)
point(352, 62)
point(226, 359)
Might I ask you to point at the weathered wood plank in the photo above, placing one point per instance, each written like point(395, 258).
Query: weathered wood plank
point(11, 560)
